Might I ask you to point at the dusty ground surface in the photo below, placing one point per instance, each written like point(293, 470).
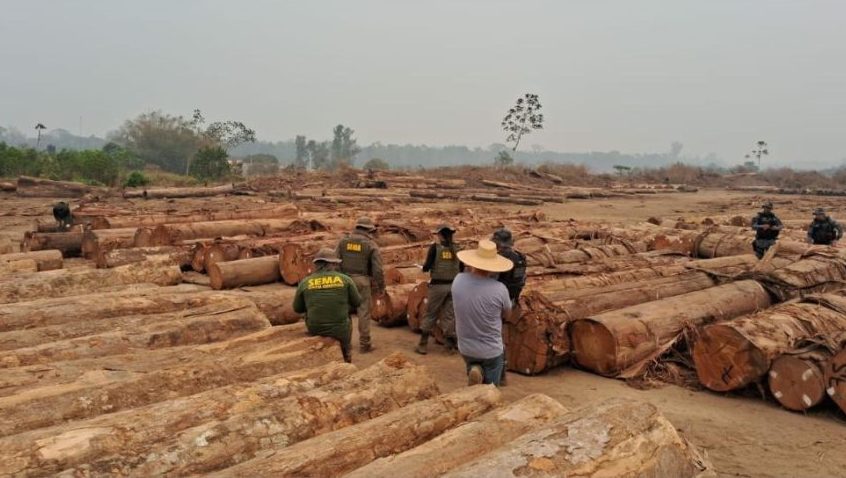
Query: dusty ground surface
point(743, 435)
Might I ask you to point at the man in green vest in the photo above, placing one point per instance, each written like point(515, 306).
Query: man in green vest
point(443, 265)
point(326, 298)
point(360, 259)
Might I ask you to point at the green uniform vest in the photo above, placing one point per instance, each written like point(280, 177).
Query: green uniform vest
point(445, 267)
point(327, 301)
point(355, 253)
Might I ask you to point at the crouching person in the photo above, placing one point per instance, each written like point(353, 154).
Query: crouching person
point(326, 298)
point(481, 304)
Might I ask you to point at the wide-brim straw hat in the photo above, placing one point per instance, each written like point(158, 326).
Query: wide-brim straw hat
point(485, 258)
point(326, 255)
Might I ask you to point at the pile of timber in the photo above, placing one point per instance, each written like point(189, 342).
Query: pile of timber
point(42, 260)
point(69, 243)
point(147, 220)
point(36, 187)
point(193, 192)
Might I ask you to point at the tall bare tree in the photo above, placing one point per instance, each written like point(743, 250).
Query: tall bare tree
point(38, 129)
point(760, 149)
point(522, 118)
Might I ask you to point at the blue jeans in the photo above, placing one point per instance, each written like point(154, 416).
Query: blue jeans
point(491, 368)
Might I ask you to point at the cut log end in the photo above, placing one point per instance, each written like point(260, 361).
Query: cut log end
point(294, 264)
point(594, 347)
point(796, 383)
point(725, 360)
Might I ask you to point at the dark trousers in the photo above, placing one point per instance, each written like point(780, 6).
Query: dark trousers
point(762, 245)
point(344, 338)
point(491, 368)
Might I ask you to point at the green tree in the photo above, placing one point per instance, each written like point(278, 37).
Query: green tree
point(622, 169)
point(522, 118)
point(302, 155)
point(344, 146)
point(376, 164)
point(503, 158)
point(160, 139)
point(318, 154)
point(210, 163)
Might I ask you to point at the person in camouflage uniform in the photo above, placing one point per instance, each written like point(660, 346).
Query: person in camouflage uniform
point(326, 297)
point(361, 260)
point(767, 227)
point(443, 265)
point(824, 230)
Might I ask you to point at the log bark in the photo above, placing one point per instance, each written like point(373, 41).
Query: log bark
point(64, 282)
point(123, 221)
point(163, 193)
point(45, 260)
point(820, 272)
point(19, 266)
point(736, 353)
point(623, 342)
point(209, 323)
point(95, 242)
point(125, 385)
point(336, 454)
point(797, 381)
point(167, 234)
point(391, 308)
point(46, 188)
point(177, 255)
point(244, 272)
point(70, 243)
point(382, 388)
point(535, 335)
point(506, 200)
point(467, 441)
point(835, 378)
point(615, 438)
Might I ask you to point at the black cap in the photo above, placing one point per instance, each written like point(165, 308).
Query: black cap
point(502, 236)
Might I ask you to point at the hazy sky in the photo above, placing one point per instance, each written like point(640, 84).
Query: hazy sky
point(630, 75)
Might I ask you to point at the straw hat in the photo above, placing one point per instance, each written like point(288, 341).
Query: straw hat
point(326, 255)
point(485, 258)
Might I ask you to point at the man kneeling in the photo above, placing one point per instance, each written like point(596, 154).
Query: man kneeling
point(481, 304)
point(326, 298)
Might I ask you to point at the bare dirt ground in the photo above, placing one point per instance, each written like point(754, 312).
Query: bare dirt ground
point(743, 435)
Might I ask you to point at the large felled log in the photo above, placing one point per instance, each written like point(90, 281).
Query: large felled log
point(143, 427)
point(210, 323)
point(615, 438)
point(736, 353)
point(797, 381)
point(535, 335)
point(294, 263)
point(47, 188)
point(46, 260)
point(274, 300)
point(70, 243)
point(64, 282)
point(114, 222)
point(819, 272)
point(416, 305)
point(337, 453)
point(134, 380)
point(176, 255)
point(622, 342)
point(161, 193)
point(15, 267)
point(244, 272)
point(835, 377)
point(166, 234)
point(387, 386)
point(391, 308)
point(8, 187)
point(95, 242)
point(467, 441)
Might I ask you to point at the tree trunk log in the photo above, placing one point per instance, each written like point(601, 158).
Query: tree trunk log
point(621, 343)
point(244, 272)
point(64, 282)
point(8, 187)
point(177, 255)
point(797, 381)
point(391, 308)
point(114, 222)
point(382, 388)
point(70, 243)
point(615, 438)
point(96, 242)
point(535, 335)
point(274, 300)
point(466, 442)
point(336, 454)
point(46, 188)
point(46, 260)
point(209, 323)
point(416, 305)
point(123, 385)
point(164, 193)
point(167, 234)
point(813, 274)
point(835, 378)
point(736, 353)
point(294, 263)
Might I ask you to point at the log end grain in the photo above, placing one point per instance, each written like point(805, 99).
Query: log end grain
point(594, 347)
point(725, 360)
point(294, 263)
point(796, 384)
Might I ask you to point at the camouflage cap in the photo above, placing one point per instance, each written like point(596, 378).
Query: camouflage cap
point(767, 205)
point(819, 212)
point(365, 223)
point(326, 255)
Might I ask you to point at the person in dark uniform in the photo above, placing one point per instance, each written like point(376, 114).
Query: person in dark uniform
point(62, 215)
point(514, 279)
point(326, 298)
point(361, 260)
point(767, 226)
point(443, 265)
point(824, 230)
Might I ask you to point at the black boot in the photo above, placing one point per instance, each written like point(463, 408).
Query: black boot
point(421, 346)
